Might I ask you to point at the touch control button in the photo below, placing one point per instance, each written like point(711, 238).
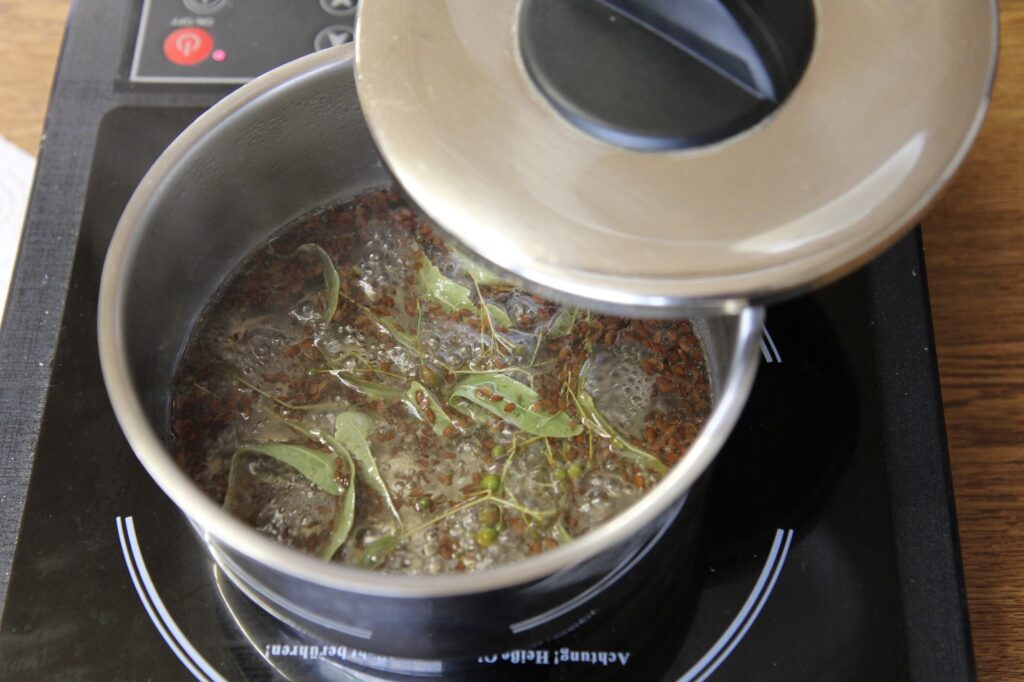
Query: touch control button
point(332, 36)
point(188, 46)
point(338, 7)
point(205, 6)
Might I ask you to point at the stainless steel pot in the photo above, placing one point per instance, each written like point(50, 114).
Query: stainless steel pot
point(287, 143)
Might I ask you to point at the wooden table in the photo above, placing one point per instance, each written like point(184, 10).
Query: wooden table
point(974, 242)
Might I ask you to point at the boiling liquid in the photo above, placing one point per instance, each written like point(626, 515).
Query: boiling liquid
point(264, 354)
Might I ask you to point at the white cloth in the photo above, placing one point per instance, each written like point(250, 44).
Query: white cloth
point(16, 170)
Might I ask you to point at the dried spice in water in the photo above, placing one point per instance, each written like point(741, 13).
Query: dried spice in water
point(360, 391)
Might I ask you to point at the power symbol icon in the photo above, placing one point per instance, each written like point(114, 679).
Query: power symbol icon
point(188, 46)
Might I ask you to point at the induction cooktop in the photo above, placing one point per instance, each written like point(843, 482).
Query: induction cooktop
point(828, 546)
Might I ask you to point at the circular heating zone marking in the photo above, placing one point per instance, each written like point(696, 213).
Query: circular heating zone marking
point(188, 46)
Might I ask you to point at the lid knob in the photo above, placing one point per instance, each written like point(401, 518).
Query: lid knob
point(666, 74)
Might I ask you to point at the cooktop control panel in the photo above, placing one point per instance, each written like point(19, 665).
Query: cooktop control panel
point(233, 41)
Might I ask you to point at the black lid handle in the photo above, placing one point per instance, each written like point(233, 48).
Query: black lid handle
point(710, 31)
point(657, 75)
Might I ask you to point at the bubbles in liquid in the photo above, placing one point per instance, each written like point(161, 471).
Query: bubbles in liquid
point(264, 342)
point(329, 344)
point(621, 389)
point(519, 304)
point(403, 361)
point(306, 312)
point(381, 259)
point(261, 348)
point(454, 346)
point(367, 287)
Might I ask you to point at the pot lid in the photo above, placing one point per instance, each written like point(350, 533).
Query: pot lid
point(632, 154)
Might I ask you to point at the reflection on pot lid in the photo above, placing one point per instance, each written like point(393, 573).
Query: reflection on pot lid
point(624, 153)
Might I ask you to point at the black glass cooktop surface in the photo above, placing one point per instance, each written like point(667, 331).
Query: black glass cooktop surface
point(827, 550)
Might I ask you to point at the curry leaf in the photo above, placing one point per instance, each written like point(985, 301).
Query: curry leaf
point(604, 428)
point(480, 274)
point(344, 515)
point(499, 318)
point(391, 326)
point(370, 389)
point(332, 283)
point(377, 551)
point(344, 518)
point(361, 424)
point(561, 534)
point(319, 467)
point(351, 432)
point(428, 407)
point(563, 322)
point(402, 337)
point(437, 417)
point(322, 469)
point(478, 414)
point(453, 296)
point(480, 389)
point(433, 285)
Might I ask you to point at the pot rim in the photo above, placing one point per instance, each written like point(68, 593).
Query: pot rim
point(218, 524)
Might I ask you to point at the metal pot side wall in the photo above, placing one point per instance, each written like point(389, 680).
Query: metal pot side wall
point(465, 626)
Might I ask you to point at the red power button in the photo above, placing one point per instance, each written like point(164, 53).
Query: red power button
point(188, 46)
